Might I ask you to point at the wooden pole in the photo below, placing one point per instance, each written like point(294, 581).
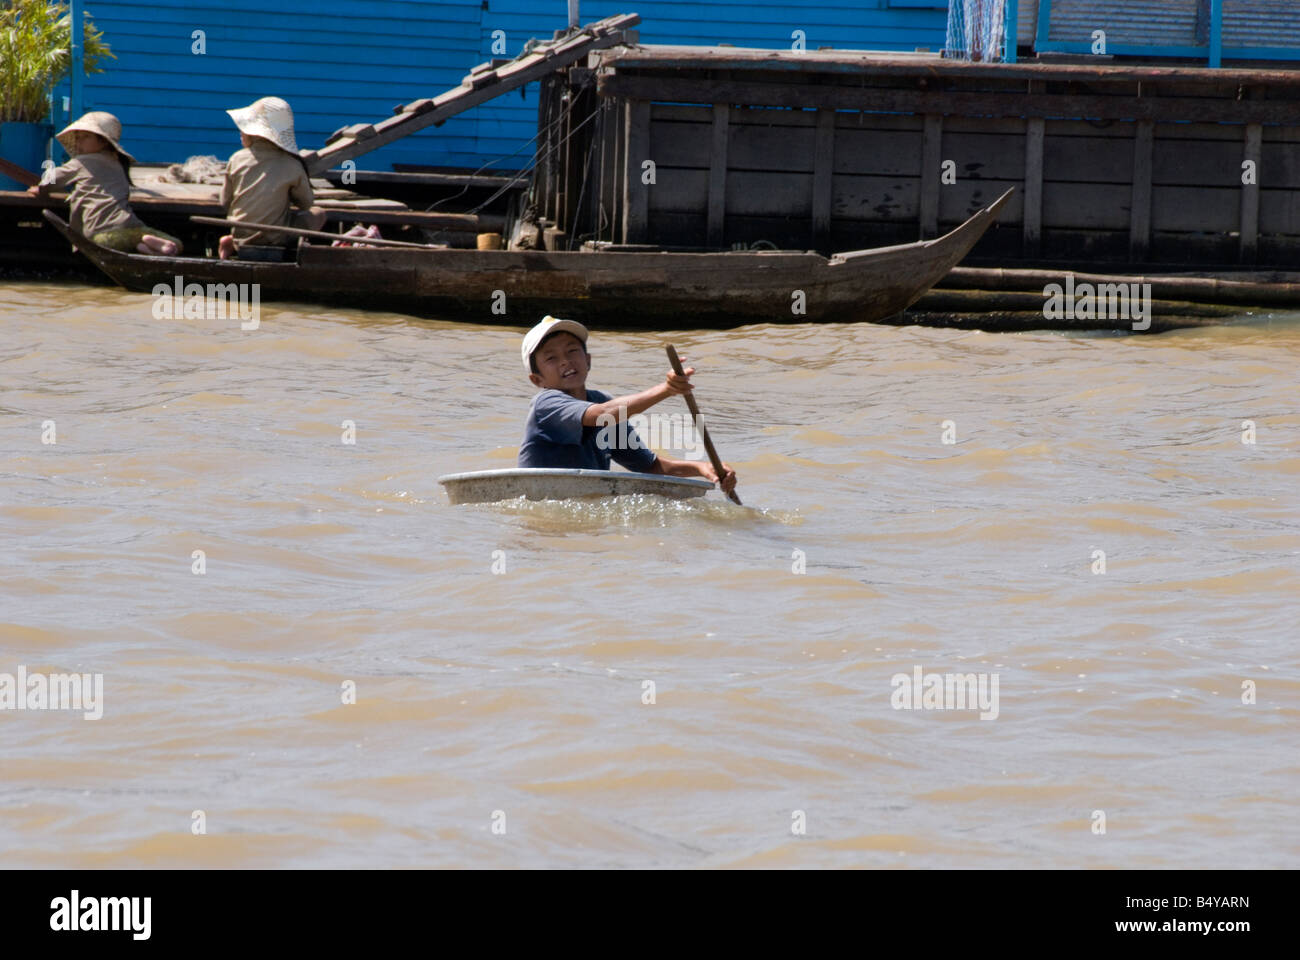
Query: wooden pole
point(317, 234)
point(1249, 232)
point(699, 422)
point(1139, 236)
point(718, 175)
point(931, 174)
point(22, 175)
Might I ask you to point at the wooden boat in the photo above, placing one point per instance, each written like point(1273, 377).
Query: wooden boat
point(489, 486)
point(605, 287)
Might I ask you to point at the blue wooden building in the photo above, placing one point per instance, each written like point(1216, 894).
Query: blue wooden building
point(180, 65)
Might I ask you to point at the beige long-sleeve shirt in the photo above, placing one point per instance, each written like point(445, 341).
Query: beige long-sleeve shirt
point(262, 181)
point(99, 194)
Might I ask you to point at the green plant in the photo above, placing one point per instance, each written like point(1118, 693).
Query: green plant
point(35, 55)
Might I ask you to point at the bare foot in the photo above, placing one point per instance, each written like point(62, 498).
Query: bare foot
point(357, 231)
point(226, 247)
point(157, 245)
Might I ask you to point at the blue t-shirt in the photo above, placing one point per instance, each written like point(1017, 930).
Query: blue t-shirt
point(555, 437)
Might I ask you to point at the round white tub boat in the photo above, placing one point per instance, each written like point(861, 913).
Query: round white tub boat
point(489, 486)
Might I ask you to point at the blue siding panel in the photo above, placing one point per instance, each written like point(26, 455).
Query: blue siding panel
point(1251, 29)
point(339, 62)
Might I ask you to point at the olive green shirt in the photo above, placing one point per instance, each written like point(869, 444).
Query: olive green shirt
point(261, 183)
point(99, 194)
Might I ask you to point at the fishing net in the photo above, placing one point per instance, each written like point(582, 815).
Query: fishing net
point(976, 29)
point(206, 169)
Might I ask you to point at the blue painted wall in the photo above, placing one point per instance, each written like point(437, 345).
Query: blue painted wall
point(346, 61)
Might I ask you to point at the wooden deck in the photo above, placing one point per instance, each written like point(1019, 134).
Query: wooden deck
point(27, 242)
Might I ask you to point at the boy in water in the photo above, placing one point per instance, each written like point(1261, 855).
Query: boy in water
point(563, 429)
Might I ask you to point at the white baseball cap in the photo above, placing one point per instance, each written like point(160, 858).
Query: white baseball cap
point(549, 325)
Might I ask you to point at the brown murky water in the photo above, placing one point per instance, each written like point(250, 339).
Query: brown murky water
point(516, 699)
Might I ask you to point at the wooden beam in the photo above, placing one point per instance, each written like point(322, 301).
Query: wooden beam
point(564, 171)
point(455, 222)
point(477, 88)
point(1009, 104)
point(718, 175)
point(857, 64)
point(1139, 235)
point(931, 170)
point(544, 173)
point(618, 211)
point(636, 195)
point(1253, 149)
point(823, 174)
point(1033, 217)
point(605, 129)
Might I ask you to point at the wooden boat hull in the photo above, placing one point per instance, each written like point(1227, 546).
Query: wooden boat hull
point(490, 486)
point(608, 288)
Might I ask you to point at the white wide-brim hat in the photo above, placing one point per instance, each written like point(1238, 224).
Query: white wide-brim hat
point(548, 326)
point(97, 121)
point(270, 118)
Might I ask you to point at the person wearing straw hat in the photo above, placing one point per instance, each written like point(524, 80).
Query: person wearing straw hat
point(100, 177)
point(266, 178)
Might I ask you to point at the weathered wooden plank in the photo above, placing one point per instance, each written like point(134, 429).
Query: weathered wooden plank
point(423, 105)
point(1104, 209)
point(1139, 237)
point(771, 147)
point(884, 152)
point(748, 193)
point(931, 160)
point(680, 144)
point(1196, 210)
point(544, 164)
point(614, 123)
point(1198, 162)
point(983, 156)
point(959, 201)
point(484, 78)
point(565, 169)
point(357, 131)
point(871, 123)
point(1087, 159)
point(1252, 155)
point(1281, 160)
point(636, 195)
point(1033, 194)
point(1167, 109)
point(897, 199)
point(882, 199)
point(452, 102)
point(680, 112)
point(882, 63)
point(1190, 161)
point(718, 174)
point(823, 174)
point(887, 63)
point(676, 228)
point(608, 198)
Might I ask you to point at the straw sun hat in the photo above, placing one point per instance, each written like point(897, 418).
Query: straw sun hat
point(270, 118)
point(97, 121)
